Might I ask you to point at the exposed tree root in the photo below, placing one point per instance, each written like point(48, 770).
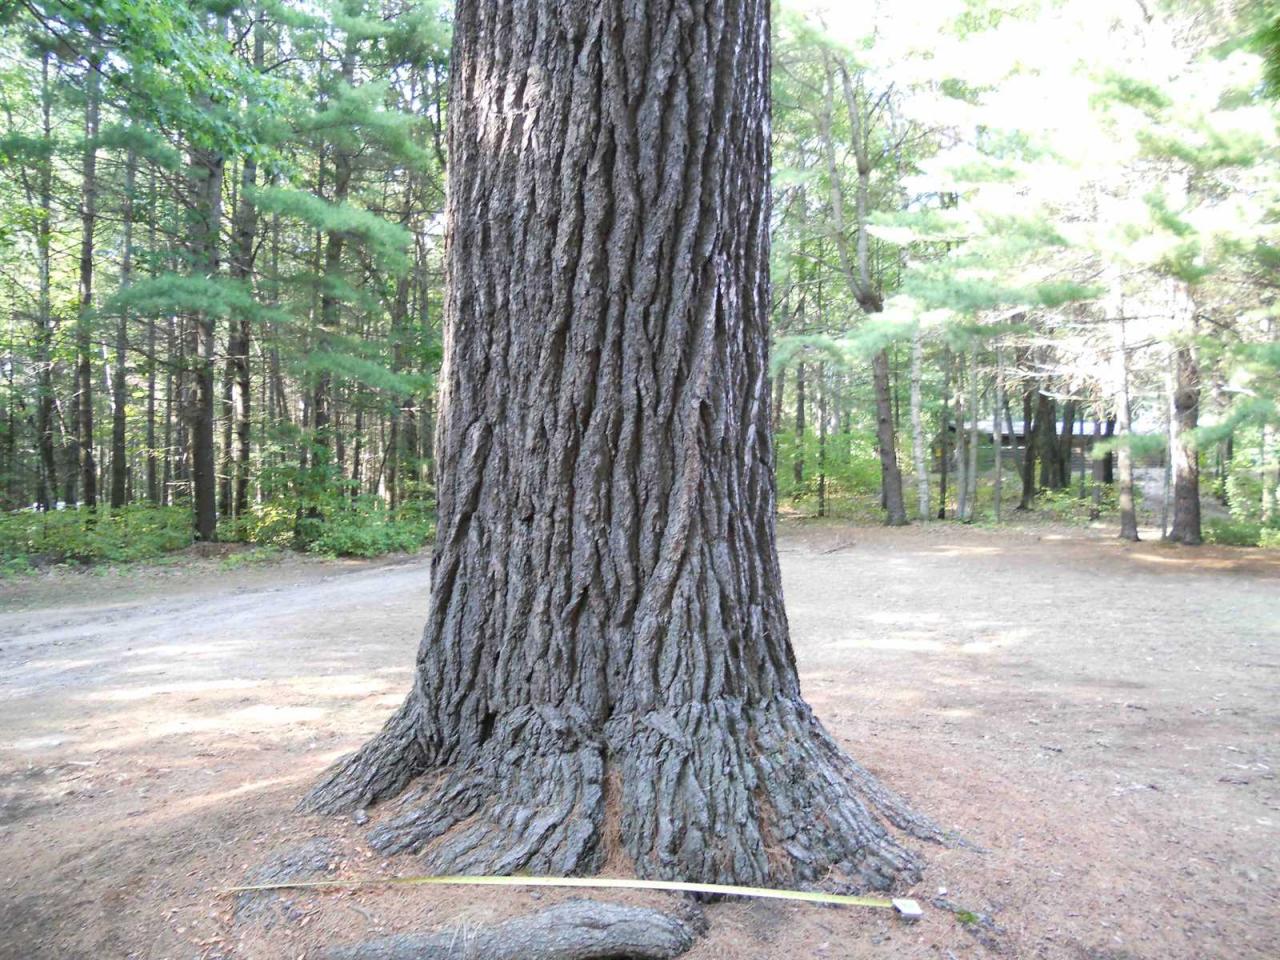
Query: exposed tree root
point(379, 770)
point(576, 930)
point(716, 792)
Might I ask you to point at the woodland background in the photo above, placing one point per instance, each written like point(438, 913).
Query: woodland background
point(1024, 265)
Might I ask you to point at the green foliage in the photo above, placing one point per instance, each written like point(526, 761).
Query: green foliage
point(366, 528)
point(850, 466)
point(1241, 533)
point(29, 538)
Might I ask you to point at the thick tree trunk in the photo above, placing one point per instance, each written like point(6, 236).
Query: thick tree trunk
point(606, 670)
point(84, 349)
point(917, 428)
point(1185, 457)
point(1109, 461)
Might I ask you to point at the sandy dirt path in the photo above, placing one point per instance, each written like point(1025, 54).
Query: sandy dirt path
point(1101, 719)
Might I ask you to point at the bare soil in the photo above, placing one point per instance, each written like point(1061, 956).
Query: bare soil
point(1098, 718)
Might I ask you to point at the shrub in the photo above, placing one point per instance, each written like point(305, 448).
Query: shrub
point(30, 538)
point(1241, 533)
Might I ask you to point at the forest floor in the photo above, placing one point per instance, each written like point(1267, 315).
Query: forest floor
point(1099, 718)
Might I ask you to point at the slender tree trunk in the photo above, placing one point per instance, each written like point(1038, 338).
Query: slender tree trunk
point(945, 463)
point(606, 668)
point(1095, 510)
point(1185, 457)
point(1124, 458)
point(779, 387)
point(917, 427)
point(206, 183)
point(47, 493)
point(822, 440)
point(797, 462)
point(890, 475)
point(153, 472)
point(997, 435)
point(856, 268)
point(1270, 474)
point(119, 456)
point(1109, 461)
point(84, 348)
point(962, 447)
point(1065, 442)
point(240, 339)
point(971, 475)
point(1029, 432)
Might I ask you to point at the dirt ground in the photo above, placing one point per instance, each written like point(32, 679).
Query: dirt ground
point(1100, 719)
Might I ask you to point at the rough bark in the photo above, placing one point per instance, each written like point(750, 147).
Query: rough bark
point(574, 930)
point(1185, 456)
point(606, 671)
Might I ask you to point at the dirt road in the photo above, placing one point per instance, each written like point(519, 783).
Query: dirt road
point(1099, 718)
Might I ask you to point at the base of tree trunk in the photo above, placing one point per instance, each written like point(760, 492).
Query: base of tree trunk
point(575, 930)
point(710, 792)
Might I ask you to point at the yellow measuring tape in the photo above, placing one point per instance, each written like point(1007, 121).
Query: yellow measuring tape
point(598, 883)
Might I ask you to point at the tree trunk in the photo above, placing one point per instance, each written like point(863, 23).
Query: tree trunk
point(1065, 440)
point(797, 462)
point(971, 474)
point(917, 428)
point(84, 350)
point(119, 473)
point(1109, 461)
point(606, 668)
point(822, 440)
point(1269, 470)
point(945, 462)
point(153, 472)
point(206, 177)
point(1029, 430)
point(1047, 441)
point(997, 437)
point(47, 490)
point(1185, 457)
point(962, 447)
point(1124, 458)
point(1095, 509)
point(890, 474)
